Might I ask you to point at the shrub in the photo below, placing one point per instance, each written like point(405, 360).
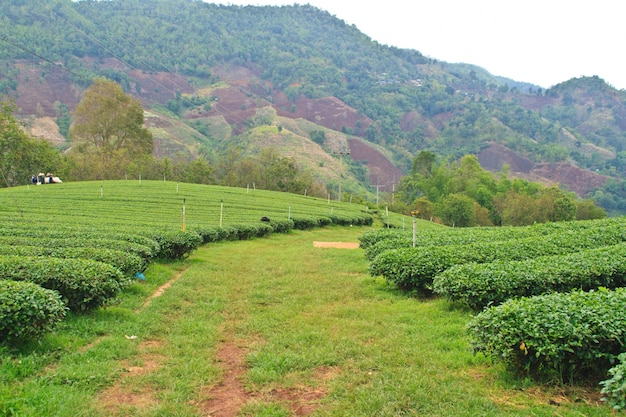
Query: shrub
point(471, 235)
point(83, 284)
point(28, 310)
point(566, 336)
point(127, 262)
point(415, 268)
point(282, 226)
point(228, 233)
point(342, 220)
point(479, 285)
point(263, 229)
point(144, 252)
point(176, 244)
point(305, 222)
point(615, 387)
point(246, 231)
point(371, 237)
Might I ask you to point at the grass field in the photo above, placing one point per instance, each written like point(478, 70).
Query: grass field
point(270, 327)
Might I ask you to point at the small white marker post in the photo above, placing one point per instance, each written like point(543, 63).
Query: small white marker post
point(184, 201)
point(221, 211)
point(387, 213)
point(101, 191)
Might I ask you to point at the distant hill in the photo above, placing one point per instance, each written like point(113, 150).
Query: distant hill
point(211, 76)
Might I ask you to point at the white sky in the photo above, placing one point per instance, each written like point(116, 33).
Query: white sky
point(544, 42)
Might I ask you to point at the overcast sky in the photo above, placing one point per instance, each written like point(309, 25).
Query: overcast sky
point(543, 42)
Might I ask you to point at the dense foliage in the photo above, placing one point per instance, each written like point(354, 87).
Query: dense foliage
point(21, 156)
point(463, 194)
point(27, 311)
point(480, 285)
point(415, 268)
point(614, 388)
point(82, 283)
point(127, 262)
point(565, 336)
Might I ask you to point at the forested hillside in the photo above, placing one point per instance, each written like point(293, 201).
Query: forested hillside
point(213, 76)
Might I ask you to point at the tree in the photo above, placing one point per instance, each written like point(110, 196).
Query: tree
point(22, 156)
point(109, 128)
point(457, 210)
point(587, 210)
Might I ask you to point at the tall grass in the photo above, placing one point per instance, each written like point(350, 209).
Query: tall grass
point(316, 332)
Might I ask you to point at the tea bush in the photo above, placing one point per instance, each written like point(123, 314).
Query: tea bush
point(127, 262)
point(176, 244)
point(415, 268)
point(614, 388)
point(83, 284)
point(308, 222)
point(146, 253)
point(564, 336)
point(377, 241)
point(480, 285)
point(28, 311)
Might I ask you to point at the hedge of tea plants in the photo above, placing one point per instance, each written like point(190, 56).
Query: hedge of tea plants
point(479, 285)
point(28, 310)
point(127, 262)
point(377, 241)
point(521, 279)
point(414, 269)
point(614, 388)
point(82, 283)
point(570, 337)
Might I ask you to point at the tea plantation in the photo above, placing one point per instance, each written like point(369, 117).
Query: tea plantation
point(81, 244)
point(549, 297)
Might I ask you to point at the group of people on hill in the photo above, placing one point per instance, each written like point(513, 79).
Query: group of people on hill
point(45, 179)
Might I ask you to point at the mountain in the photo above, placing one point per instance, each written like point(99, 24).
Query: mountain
point(213, 76)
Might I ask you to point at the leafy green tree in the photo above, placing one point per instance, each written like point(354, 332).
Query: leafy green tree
point(587, 210)
point(108, 129)
point(556, 205)
point(456, 210)
point(423, 164)
point(22, 156)
point(516, 209)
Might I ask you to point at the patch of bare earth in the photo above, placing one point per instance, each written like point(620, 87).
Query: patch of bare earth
point(122, 394)
point(559, 396)
point(228, 397)
point(304, 400)
point(336, 245)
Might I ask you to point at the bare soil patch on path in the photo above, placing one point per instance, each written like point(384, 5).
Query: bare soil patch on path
point(336, 245)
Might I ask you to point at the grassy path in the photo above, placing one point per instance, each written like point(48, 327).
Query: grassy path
point(278, 327)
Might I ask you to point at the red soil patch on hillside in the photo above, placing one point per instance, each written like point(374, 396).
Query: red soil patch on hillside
point(382, 171)
point(573, 178)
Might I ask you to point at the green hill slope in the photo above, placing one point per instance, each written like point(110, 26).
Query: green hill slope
point(214, 67)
